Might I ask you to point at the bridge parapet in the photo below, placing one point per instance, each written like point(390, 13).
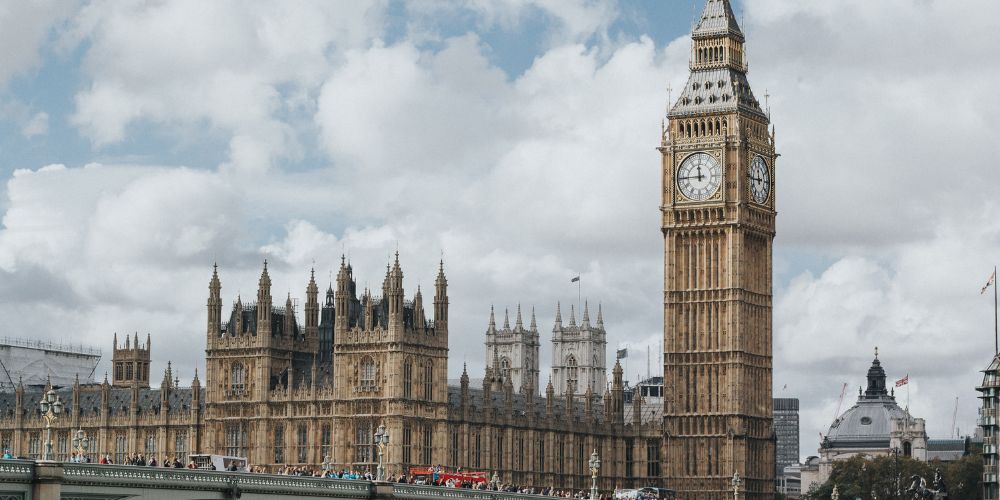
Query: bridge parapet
point(26, 479)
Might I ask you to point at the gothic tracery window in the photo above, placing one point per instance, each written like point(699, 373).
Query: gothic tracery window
point(505, 368)
point(571, 373)
point(237, 378)
point(429, 381)
point(408, 378)
point(366, 374)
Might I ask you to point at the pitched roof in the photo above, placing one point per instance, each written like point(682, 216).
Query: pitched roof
point(717, 19)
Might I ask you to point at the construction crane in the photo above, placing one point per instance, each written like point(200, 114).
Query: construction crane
point(840, 402)
point(954, 418)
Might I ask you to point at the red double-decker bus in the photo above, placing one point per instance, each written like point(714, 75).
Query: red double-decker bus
point(425, 475)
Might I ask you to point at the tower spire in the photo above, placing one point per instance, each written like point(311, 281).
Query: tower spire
point(586, 316)
point(506, 320)
point(572, 315)
point(492, 328)
point(518, 325)
point(600, 317)
point(558, 315)
point(534, 325)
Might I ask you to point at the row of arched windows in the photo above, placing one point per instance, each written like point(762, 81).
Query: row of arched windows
point(428, 379)
point(703, 127)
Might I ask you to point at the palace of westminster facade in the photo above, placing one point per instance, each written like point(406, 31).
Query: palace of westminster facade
point(280, 391)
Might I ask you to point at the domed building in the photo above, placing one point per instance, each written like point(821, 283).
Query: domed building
point(875, 425)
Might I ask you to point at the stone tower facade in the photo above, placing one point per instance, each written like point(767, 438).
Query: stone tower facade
point(718, 225)
point(391, 363)
point(578, 354)
point(513, 352)
point(130, 363)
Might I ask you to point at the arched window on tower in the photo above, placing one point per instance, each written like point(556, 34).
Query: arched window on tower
point(429, 381)
point(907, 449)
point(571, 373)
point(504, 368)
point(408, 378)
point(237, 378)
point(366, 374)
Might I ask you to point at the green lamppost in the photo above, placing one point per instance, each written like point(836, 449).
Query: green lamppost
point(51, 407)
point(81, 444)
point(381, 440)
point(595, 466)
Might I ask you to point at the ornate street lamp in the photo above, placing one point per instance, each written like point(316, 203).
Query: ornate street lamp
point(595, 466)
point(736, 485)
point(51, 407)
point(381, 440)
point(81, 444)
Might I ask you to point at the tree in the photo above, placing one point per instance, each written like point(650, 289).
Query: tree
point(859, 476)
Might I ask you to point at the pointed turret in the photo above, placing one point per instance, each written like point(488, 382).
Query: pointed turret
point(214, 304)
point(534, 325)
point(344, 296)
point(506, 321)
point(419, 320)
point(464, 386)
point(441, 302)
point(550, 397)
point(264, 304)
point(572, 315)
point(312, 307)
point(491, 329)
point(558, 324)
point(518, 324)
point(600, 317)
point(586, 316)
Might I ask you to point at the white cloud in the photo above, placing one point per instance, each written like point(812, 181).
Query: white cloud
point(176, 65)
point(24, 27)
point(523, 180)
point(37, 125)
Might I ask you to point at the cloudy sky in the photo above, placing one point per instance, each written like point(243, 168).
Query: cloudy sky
point(141, 142)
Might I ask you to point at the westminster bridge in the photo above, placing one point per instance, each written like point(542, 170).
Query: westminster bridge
point(35, 480)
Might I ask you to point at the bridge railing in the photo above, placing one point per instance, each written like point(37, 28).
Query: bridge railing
point(411, 491)
point(73, 477)
point(154, 477)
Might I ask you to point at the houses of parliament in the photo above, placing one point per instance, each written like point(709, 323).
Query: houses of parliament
point(283, 386)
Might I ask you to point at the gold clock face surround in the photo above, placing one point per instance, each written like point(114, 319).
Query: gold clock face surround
point(699, 176)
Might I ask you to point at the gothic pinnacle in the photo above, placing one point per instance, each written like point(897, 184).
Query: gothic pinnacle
point(600, 317)
point(586, 314)
point(518, 325)
point(493, 322)
point(506, 320)
point(558, 314)
point(533, 326)
point(572, 315)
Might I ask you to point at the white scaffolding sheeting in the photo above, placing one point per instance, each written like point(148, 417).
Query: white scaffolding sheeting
point(36, 362)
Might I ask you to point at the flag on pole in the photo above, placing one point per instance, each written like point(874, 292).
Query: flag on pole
point(622, 353)
point(574, 280)
point(903, 381)
point(993, 278)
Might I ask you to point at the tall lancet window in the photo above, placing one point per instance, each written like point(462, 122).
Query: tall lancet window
point(571, 374)
point(366, 375)
point(238, 378)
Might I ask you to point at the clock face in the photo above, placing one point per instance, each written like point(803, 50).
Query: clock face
point(699, 176)
point(760, 180)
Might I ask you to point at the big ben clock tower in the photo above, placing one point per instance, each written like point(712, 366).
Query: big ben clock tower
point(718, 226)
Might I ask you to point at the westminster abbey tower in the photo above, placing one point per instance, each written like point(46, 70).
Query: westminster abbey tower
point(718, 226)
